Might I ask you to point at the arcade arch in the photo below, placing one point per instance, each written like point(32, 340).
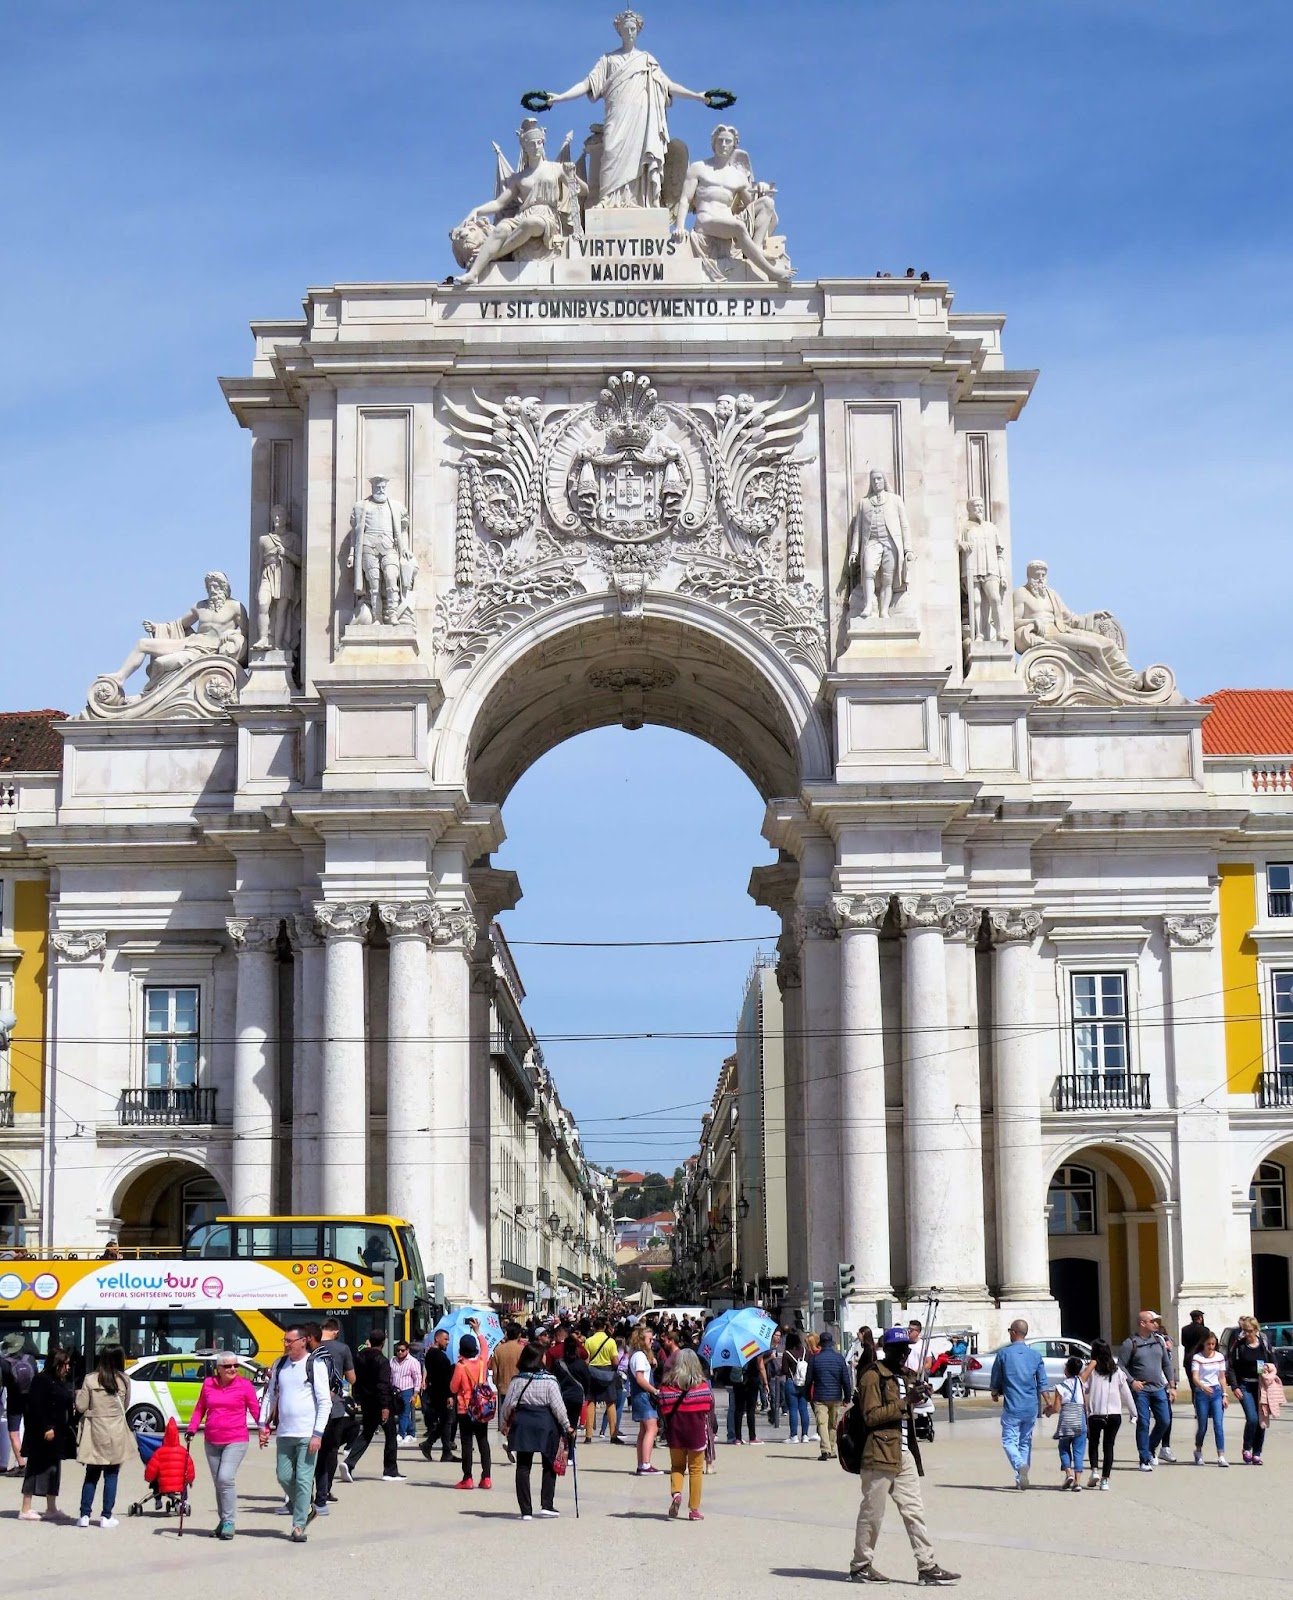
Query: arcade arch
point(1272, 1236)
point(156, 1205)
point(1108, 1238)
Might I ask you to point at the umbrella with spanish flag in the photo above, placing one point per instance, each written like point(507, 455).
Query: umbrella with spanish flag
point(737, 1336)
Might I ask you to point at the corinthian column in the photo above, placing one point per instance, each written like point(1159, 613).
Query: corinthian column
point(1016, 1110)
point(343, 1182)
point(255, 1064)
point(453, 938)
point(408, 1062)
point(864, 1172)
point(307, 1062)
point(928, 1133)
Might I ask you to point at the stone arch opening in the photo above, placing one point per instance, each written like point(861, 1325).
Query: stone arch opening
point(13, 1215)
point(156, 1206)
point(1107, 1239)
point(580, 669)
point(1271, 1233)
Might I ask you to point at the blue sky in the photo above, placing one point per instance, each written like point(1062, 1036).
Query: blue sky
point(1111, 175)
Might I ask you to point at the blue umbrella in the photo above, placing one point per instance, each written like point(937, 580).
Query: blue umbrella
point(737, 1337)
point(455, 1323)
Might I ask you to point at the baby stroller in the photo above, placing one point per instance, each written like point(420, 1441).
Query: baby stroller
point(169, 1504)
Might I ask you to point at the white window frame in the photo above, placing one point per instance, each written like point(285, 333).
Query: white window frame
point(172, 1035)
point(1099, 1021)
point(152, 968)
point(1281, 1021)
point(1270, 1183)
point(1093, 1189)
point(1266, 914)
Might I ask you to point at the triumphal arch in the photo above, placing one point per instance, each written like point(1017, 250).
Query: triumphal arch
point(628, 464)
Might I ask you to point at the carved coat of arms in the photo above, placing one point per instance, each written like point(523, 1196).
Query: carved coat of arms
point(705, 499)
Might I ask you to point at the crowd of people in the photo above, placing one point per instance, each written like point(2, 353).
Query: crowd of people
point(550, 1387)
point(1139, 1381)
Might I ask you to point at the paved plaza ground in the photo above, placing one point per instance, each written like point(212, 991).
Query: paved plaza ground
point(778, 1522)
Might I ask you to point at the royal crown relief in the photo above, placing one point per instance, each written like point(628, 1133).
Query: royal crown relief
point(634, 492)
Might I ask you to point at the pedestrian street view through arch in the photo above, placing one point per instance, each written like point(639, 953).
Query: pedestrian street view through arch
point(1002, 1127)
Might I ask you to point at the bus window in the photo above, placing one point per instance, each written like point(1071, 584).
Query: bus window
point(259, 1240)
point(302, 1241)
point(107, 1333)
point(210, 1240)
point(177, 1333)
point(363, 1244)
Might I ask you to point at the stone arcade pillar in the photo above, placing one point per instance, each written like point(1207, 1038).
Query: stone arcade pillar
point(455, 1237)
point(343, 1183)
point(255, 1064)
point(820, 1060)
point(790, 982)
point(1196, 1044)
point(1023, 1265)
point(307, 1063)
point(409, 1174)
point(930, 1133)
point(864, 1170)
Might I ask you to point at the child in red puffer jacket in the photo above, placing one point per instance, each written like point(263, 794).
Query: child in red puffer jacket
point(171, 1470)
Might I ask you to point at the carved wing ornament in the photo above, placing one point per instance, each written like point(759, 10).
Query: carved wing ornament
point(706, 499)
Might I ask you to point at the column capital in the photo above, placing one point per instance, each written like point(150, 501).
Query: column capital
point(861, 911)
point(964, 923)
point(1014, 924)
point(1191, 932)
point(342, 919)
point(924, 911)
point(814, 922)
point(453, 924)
point(79, 945)
point(253, 935)
point(407, 919)
point(790, 971)
point(304, 932)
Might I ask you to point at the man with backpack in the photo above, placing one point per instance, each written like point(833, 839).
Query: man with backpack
point(378, 1408)
point(878, 1442)
point(17, 1369)
point(342, 1427)
point(298, 1399)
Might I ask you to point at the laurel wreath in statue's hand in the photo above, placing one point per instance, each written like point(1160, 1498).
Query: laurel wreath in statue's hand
point(719, 99)
point(537, 100)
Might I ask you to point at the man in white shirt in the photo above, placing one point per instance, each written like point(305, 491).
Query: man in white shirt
point(299, 1398)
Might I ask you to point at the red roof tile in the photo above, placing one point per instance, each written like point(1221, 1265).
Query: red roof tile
point(1249, 722)
point(29, 743)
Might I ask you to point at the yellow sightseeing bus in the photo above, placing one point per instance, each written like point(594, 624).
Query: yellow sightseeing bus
point(234, 1284)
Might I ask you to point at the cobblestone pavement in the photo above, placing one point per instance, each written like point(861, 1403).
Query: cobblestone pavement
point(777, 1522)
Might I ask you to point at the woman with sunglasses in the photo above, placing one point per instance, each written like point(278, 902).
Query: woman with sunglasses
point(227, 1402)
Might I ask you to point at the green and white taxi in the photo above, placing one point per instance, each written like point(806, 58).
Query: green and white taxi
point(162, 1387)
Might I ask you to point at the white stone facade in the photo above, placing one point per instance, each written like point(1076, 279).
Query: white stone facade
point(700, 497)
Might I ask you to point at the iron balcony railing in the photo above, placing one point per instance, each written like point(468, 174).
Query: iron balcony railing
point(167, 1108)
point(1275, 1089)
point(1102, 1091)
point(6, 1108)
point(503, 1044)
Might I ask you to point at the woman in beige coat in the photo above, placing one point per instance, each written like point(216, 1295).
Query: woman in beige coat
point(105, 1439)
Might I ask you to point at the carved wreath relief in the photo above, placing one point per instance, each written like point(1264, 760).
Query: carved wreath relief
point(705, 500)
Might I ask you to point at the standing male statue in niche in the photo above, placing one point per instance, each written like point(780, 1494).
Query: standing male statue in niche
point(636, 93)
point(880, 547)
point(381, 555)
point(984, 559)
point(278, 619)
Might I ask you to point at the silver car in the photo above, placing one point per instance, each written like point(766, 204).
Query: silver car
point(1054, 1353)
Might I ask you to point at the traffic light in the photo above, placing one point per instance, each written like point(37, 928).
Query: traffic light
point(814, 1303)
point(845, 1280)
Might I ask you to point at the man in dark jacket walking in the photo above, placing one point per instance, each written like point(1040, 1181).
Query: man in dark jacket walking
point(439, 1411)
point(830, 1384)
point(378, 1408)
point(891, 1466)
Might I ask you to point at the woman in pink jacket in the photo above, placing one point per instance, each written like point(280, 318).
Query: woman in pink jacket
point(226, 1402)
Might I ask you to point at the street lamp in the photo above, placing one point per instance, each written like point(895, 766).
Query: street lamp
point(8, 1022)
point(742, 1207)
point(554, 1224)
